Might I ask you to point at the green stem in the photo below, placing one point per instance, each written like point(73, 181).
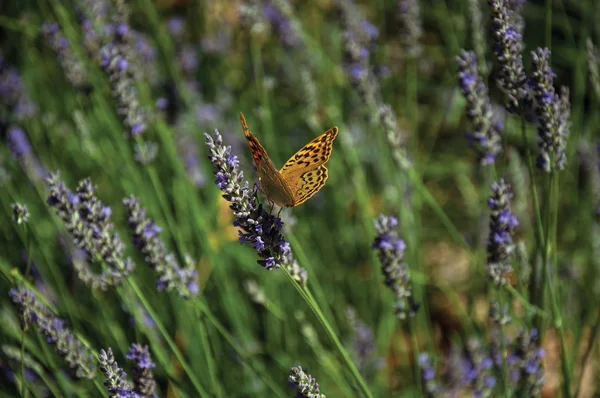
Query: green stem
point(307, 296)
point(191, 375)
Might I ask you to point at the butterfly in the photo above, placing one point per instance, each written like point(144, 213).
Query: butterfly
point(302, 176)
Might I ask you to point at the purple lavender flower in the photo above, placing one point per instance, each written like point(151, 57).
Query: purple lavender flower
point(507, 48)
point(306, 385)
point(552, 112)
point(430, 384)
point(171, 276)
point(502, 225)
point(87, 220)
point(116, 378)
point(279, 17)
point(526, 363)
point(176, 26)
point(33, 312)
point(13, 93)
point(412, 30)
point(143, 379)
point(19, 145)
point(485, 137)
point(256, 227)
point(390, 250)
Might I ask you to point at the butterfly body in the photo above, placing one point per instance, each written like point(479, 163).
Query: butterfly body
point(302, 176)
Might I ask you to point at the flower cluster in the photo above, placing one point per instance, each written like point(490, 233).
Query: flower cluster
point(74, 70)
point(485, 137)
point(412, 30)
point(171, 276)
point(87, 220)
point(507, 47)
point(500, 241)
point(390, 250)
point(143, 379)
point(32, 312)
point(524, 361)
point(116, 378)
point(20, 213)
point(552, 112)
point(306, 385)
point(256, 227)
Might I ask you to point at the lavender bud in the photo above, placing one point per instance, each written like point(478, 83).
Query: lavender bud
point(502, 225)
point(116, 378)
point(143, 379)
point(507, 47)
point(390, 249)
point(306, 385)
point(33, 312)
point(552, 112)
point(485, 137)
point(87, 220)
point(171, 276)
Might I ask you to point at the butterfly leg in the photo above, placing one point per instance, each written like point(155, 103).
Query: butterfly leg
point(279, 212)
point(272, 206)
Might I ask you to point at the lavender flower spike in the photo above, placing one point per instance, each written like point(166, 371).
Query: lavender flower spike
point(502, 225)
point(146, 238)
point(20, 213)
point(305, 384)
point(143, 379)
point(256, 226)
point(507, 48)
point(33, 312)
point(485, 137)
point(116, 378)
point(552, 112)
point(88, 221)
point(390, 250)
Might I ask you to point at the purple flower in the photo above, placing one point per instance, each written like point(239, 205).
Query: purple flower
point(256, 226)
point(552, 112)
point(485, 137)
point(143, 379)
point(171, 276)
point(68, 346)
point(390, 250)
point(116, 378)
point(176, 25)
point(87, 220)
point(507, 48)
point(502, 225)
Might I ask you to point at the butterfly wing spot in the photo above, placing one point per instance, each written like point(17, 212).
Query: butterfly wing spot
point(310, 183)
point(257, 150)
point(314, 154)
